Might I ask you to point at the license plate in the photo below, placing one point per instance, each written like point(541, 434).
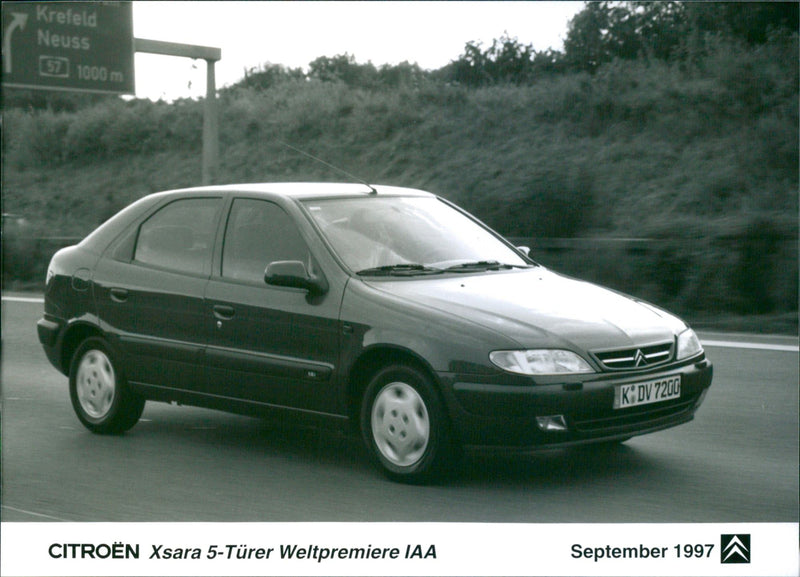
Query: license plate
point(654, 391)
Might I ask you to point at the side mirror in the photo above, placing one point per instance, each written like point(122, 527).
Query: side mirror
point(526, 250)
point(293, 274)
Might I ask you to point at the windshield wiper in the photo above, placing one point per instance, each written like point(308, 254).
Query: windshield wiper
point(404, 269)
point(481, 265)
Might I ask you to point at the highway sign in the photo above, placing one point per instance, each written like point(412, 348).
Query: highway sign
point(83, 46)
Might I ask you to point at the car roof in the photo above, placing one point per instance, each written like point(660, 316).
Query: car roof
point(104, 234)
point(304, 190)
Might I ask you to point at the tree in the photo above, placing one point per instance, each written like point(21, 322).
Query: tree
point(268, 75)
point(585, 47)
point(506, 61)
point(604, 31)
point(470, 68)
point(403, 74)
point(343, 68)
point(750, 22)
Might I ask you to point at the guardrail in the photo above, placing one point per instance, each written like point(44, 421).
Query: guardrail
point(750, 275)
point(730, 274)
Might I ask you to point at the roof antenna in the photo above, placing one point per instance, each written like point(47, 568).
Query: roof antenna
point(371, 188)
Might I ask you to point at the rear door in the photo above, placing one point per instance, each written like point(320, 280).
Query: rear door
point(150, 290)
point(269, 345)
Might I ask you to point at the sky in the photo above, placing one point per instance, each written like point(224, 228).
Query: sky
point(252, 33)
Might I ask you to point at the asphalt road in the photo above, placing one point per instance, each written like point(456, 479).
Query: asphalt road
point(737, 462)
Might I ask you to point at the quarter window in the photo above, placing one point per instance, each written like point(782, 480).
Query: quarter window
point(180, 236)
point(259, 233)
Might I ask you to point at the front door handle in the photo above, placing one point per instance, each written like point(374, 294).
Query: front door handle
point(224, 312)
point(119, 295)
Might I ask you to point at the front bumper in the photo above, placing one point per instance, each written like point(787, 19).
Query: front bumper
point(495, 415)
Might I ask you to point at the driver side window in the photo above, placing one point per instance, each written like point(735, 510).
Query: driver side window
point(259, 233)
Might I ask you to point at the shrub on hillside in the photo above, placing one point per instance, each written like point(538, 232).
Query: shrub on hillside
point(112, 128)
point(32, 139)
point(680, 152)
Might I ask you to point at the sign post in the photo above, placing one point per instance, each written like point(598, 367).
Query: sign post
point(210, 114)
point(78, 46)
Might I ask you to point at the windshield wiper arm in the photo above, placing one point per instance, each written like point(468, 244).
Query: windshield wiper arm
point(481, 265)
point(403, 269)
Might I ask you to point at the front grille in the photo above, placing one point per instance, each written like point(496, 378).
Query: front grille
point(636, 358)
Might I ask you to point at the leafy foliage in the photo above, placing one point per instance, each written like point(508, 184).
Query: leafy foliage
point(505, 61)
point(266, 76)
point(344, 68)
point(689, 139)
point(606, 31)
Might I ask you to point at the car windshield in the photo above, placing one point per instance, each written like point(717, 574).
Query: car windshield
point(405, 236)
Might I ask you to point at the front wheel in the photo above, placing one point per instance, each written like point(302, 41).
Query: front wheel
point(98, 390)
point(404, 425)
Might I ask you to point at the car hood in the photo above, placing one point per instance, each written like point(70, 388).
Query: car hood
point(539, 308)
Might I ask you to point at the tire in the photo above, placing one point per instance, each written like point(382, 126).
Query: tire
point(99, 392)
point(404, 426)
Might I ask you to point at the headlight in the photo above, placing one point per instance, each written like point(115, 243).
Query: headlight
point(540, 362)
point(688, 345)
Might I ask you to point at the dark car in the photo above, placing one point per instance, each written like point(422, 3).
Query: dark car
point(386, 308)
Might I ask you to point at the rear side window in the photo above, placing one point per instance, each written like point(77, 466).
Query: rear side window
point(180, 236)
point(259, 233)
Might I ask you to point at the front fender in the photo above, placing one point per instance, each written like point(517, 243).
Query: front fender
point(447, 343)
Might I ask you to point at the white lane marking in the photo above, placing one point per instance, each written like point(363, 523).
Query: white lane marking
point(23, 299)
point(759, 346)
point(710, 343)
point(43, 516)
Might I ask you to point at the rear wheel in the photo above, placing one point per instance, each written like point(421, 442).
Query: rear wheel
point(404, 425)
point(98, 390)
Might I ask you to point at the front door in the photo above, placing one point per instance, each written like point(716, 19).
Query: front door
point(269, 345)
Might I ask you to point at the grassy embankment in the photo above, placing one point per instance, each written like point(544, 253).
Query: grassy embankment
point(702, 161)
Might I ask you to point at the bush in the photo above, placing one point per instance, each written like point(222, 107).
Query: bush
point(683, 153)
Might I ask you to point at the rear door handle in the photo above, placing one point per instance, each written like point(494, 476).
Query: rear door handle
point(119, 295)
point(224, 312)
